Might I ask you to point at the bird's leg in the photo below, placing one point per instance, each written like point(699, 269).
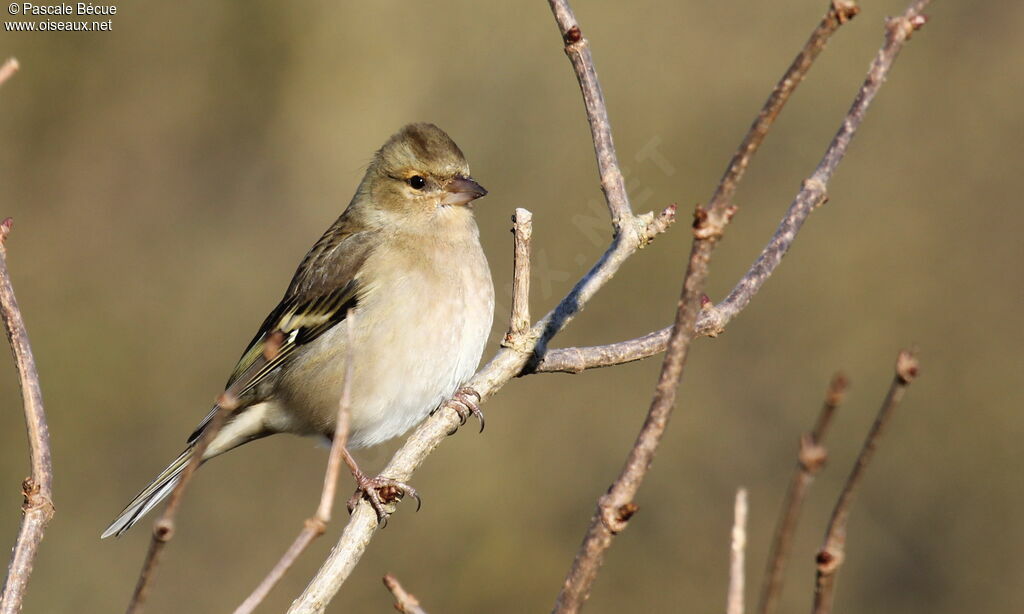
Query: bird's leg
point(379, 491)
point(466, 403)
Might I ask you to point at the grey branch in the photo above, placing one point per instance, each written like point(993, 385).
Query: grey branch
point(714, 318)
point(810, 459)
point(519, 321)
point(575, 360)
point(314, 526)
point(405, 603)
point(577, 48)
point(830, 557)
point(163, 528)
point(37, 509)
point(737, 552)
point(616, 507)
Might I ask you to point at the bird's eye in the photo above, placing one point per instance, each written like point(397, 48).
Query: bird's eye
point(417, 182)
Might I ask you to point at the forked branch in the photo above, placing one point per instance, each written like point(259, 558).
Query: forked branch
point(616, 507)
point(575, 360)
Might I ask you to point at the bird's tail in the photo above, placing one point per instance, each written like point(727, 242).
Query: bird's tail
point(150, 496)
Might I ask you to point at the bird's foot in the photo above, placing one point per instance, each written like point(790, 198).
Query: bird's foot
point(379, 492)
point(466, 403)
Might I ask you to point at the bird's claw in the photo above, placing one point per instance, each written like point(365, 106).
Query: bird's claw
point(379, 492)
point(466, 403)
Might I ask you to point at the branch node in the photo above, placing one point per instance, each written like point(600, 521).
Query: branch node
point(615, 517)
point(405, 602)
point(163, 530)
point(709, 224)
point(828, 561)
point(573, 36)
point(648, 226)
point(812, 455)
point(710, 320)
point(907, 366)
point(522, 342)
point(5, 229)
point(844, 10)
point(316, 525)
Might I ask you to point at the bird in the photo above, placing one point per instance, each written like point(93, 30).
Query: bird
point(398, 284)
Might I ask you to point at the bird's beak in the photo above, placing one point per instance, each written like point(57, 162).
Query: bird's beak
point(462, 191)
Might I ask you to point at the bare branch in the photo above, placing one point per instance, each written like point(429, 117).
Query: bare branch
point(577, 47)
point(37, 509)
point(163, 528)
point(519, 322)
point(574, 360)
point(737, 551)
point(830, 557)
point(713, 320)
point(315, 526)
point(616, 507)
point(838, 13)
point(810, 459)
point(8, 68)
point(404, 602)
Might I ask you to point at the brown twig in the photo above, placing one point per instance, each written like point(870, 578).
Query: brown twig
point(616, 507)
point(810, 459)
point(37, 508)
point(315, 526)
point(737, 552)
point(163, 528)
point(519, 321)
point(8, 68)
point(577, 48)
point(575, 360)
point(830, 557)
point(404, 602)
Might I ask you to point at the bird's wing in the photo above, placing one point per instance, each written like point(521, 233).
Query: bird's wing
point(324, 288)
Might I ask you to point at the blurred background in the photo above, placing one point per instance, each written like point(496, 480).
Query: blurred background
point(167, 176)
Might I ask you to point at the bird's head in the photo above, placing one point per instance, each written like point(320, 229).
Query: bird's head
point(419, 171)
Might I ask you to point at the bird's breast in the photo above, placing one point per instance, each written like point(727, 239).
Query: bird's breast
point(419, 331)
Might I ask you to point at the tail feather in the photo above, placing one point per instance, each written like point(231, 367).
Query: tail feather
point(150, 496)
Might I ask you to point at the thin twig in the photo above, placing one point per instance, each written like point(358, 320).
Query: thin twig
point(830, 557)
point(519, 322)
point(737, 551)
point(404, 602)
point(810, 459)
point(315, 526)
point(616, 507)
point(37, 508)
point(8, 68)
point(575, 360)
point(577, 48)
point(163, 528)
